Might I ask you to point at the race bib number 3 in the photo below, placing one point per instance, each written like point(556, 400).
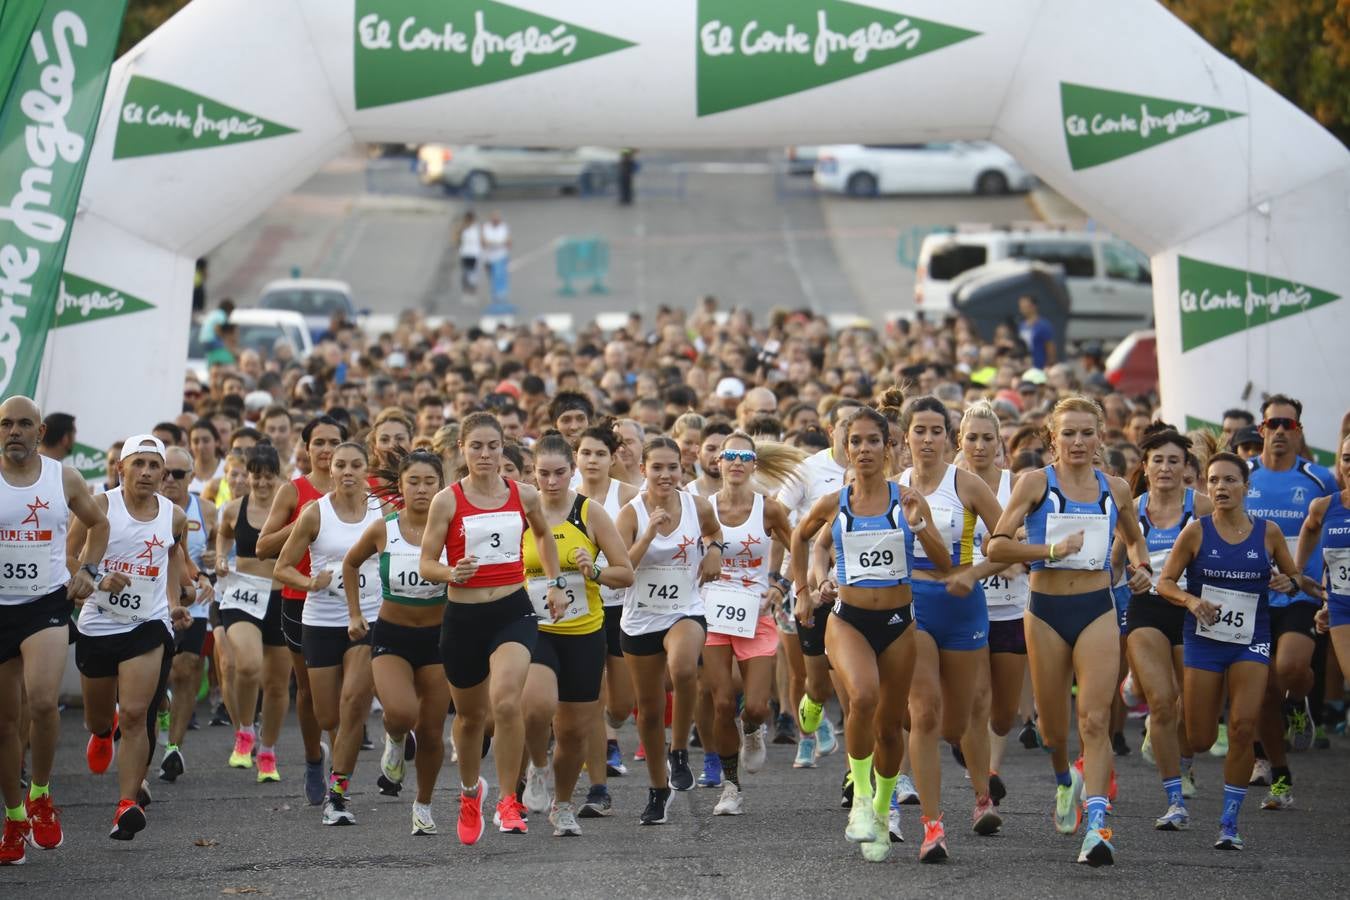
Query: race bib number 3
point(577, 605)
point(875, 555)
point(25, 566)
point(1096, 536)
point(664, 589)
point(1237, 615)
point(731, 608)
point(493, 538)
point(1338, 568)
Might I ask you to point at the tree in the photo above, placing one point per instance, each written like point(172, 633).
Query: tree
point(1301, 48)
point(143, 17)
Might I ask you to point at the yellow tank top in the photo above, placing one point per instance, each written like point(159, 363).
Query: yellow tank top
point(571, 534)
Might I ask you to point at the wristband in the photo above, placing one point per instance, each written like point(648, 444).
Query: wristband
point(1051, 557)
point(915, 529)
point(595, 572)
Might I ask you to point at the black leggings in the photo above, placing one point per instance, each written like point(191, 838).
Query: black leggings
point(161, 691)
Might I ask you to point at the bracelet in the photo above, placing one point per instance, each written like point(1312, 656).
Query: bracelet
point(1051, 549)
point(999, 534)
point(923, 523)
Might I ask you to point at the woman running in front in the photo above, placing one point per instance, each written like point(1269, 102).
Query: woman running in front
point(1227, 560)
point(489, 627)
point(562, 690)
point(250, 617)
point(1071, 514)
point(1154, 626)
point(125, 643)
point(405, 638)
point(951, 646)
point(337, 653)
point(595, 461)
point(740, 607)
point(1328, 527)
point(872, 526)
point(1005, 595)
point(663, 623)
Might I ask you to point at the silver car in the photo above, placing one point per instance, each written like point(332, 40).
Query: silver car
point(476, 170)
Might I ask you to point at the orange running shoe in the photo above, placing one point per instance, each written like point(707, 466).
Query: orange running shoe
point(14, 842)
point(99, 752)
point(45, 821)
point(471, 815)
point(934, 847)
point(130, 818)
point(510, 812)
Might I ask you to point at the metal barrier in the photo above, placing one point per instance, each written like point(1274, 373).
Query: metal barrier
point(581, 259)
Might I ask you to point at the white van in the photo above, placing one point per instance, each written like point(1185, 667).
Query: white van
point(1109, 281)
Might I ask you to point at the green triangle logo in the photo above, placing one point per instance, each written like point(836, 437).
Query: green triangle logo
point(90, 462)
point(158, 117)
point(1217, 301)
point(411, 49)
point(1101, 126)
point(82, 300)
point(1193, 423)
point(750, 51)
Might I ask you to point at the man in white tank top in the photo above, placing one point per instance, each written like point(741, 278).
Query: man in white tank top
point(36, 597)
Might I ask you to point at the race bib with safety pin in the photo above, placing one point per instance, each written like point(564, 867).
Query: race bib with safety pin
point(875, 555)
point(248, 593)
point(1096, 536)
point(493, 538)
point(731, 608)
point(133, 603)
point(1338, 568)
point(25, 562)
point(1237, 615)
point(664, 589)
point(577, 605)
point(405, 578)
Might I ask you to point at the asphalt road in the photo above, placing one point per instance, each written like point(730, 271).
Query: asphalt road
point(215, 832)
point(721, 222)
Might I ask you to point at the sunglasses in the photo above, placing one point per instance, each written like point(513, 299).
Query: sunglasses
point(1281, 422)
point(739, 455)
point(178, 474)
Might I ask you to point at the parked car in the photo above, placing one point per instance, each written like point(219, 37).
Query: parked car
point(957, 167)
point(316, 299)
point(801, 159)
point(477, 171)
point(259, 329)
point(1132, 368)
point(1110, 282)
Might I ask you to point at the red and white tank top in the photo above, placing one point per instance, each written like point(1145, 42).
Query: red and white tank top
point(493, 536)
point(305, 494)
point(33, 536)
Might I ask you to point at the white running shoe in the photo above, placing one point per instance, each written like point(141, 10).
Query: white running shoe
point(905, 792)
point(536, 796)
point(1261, 773)
point(422, 822)
point(391, 761)
point(862, 822)
point(564, 820)
point(754, 750)
point(731, 801)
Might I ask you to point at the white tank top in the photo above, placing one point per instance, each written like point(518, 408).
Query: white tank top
point(611, 596)
point(665, 586)
point(954, 522)
point(747, 555)
point(33, 536)
point(140, 551)
point(1006, 597)
point(328, 608)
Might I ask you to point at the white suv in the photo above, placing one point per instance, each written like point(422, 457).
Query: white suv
point(1109, 281)
point(955, 167)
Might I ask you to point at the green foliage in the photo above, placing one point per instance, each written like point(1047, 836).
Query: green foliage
point(143, 17)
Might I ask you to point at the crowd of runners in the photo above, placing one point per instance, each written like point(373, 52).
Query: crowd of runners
point(693, 532)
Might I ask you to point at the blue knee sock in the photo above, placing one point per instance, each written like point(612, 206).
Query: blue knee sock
point(1172, 787)
point(1232, 805)
point(1096, 812)
point(1186, 763)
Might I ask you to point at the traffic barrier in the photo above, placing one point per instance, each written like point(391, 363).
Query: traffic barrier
point(580, 259)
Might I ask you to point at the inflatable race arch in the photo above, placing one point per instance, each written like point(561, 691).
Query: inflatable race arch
point(1241, 200)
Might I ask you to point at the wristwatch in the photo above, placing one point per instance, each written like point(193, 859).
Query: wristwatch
point(595, 572)
point(560, 583)
point(91, 570)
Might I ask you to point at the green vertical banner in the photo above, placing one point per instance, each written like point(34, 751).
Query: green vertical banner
point(53, 91)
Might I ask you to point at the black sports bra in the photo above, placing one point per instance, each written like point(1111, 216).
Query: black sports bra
point(245, 535)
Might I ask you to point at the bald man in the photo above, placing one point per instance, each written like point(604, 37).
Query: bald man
point(37, 593)
point(758, 401)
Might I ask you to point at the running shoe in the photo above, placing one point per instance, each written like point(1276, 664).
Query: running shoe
point(712, 771)
point(1229, 839)
point(1129, 694)
point(862, 824)
point(905, 791)
point(640, 754)
point(809, 713)
point(221, 717)
point(1175, 819)
point(1298, 725)
point(172, 765)
point(563, 818)
point(614, 766)
point(729, 804)
point(1112, 789)
point(127, 821)
point(44, 821)
point(509, 816)
point(1281, 795)
point(392, 765)
point(14, 842)
point(598, 803)
point(784, 731)
point(1188, 789)
point(1321, 741)
point(1029, 736)
point(1146, 748)
point(997, 789)
point(536, 795)
point(754, 749)
point(470, 825)
point(1068, 810)
point(846, 791)
point(681, 777)
point(934, 847)
point(1097, 850)
point(316, 786)
point(422, 822)
point(878, 850)
point(99, 752)
point(1261, 773)
point(658, 806)
point(825, 739)
point(335, 811)
point(893, 822)
point(242, 757)
point(986, 820)
point(1220, 745)
point(806, 753)
point(143, 798)
point(267, 767)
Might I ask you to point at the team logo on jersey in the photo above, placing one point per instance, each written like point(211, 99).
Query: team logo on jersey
point(1300, 495)
point(682, 554)
point(148, 554)
point(746, 544)
point(1253, 494)
point(1213, 551)
point(1252, 554)
point(32, 518)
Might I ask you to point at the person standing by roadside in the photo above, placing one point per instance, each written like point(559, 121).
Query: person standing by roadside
point(1037, 333)
point(469, 238)
point(496, 253)
point(628, 166)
